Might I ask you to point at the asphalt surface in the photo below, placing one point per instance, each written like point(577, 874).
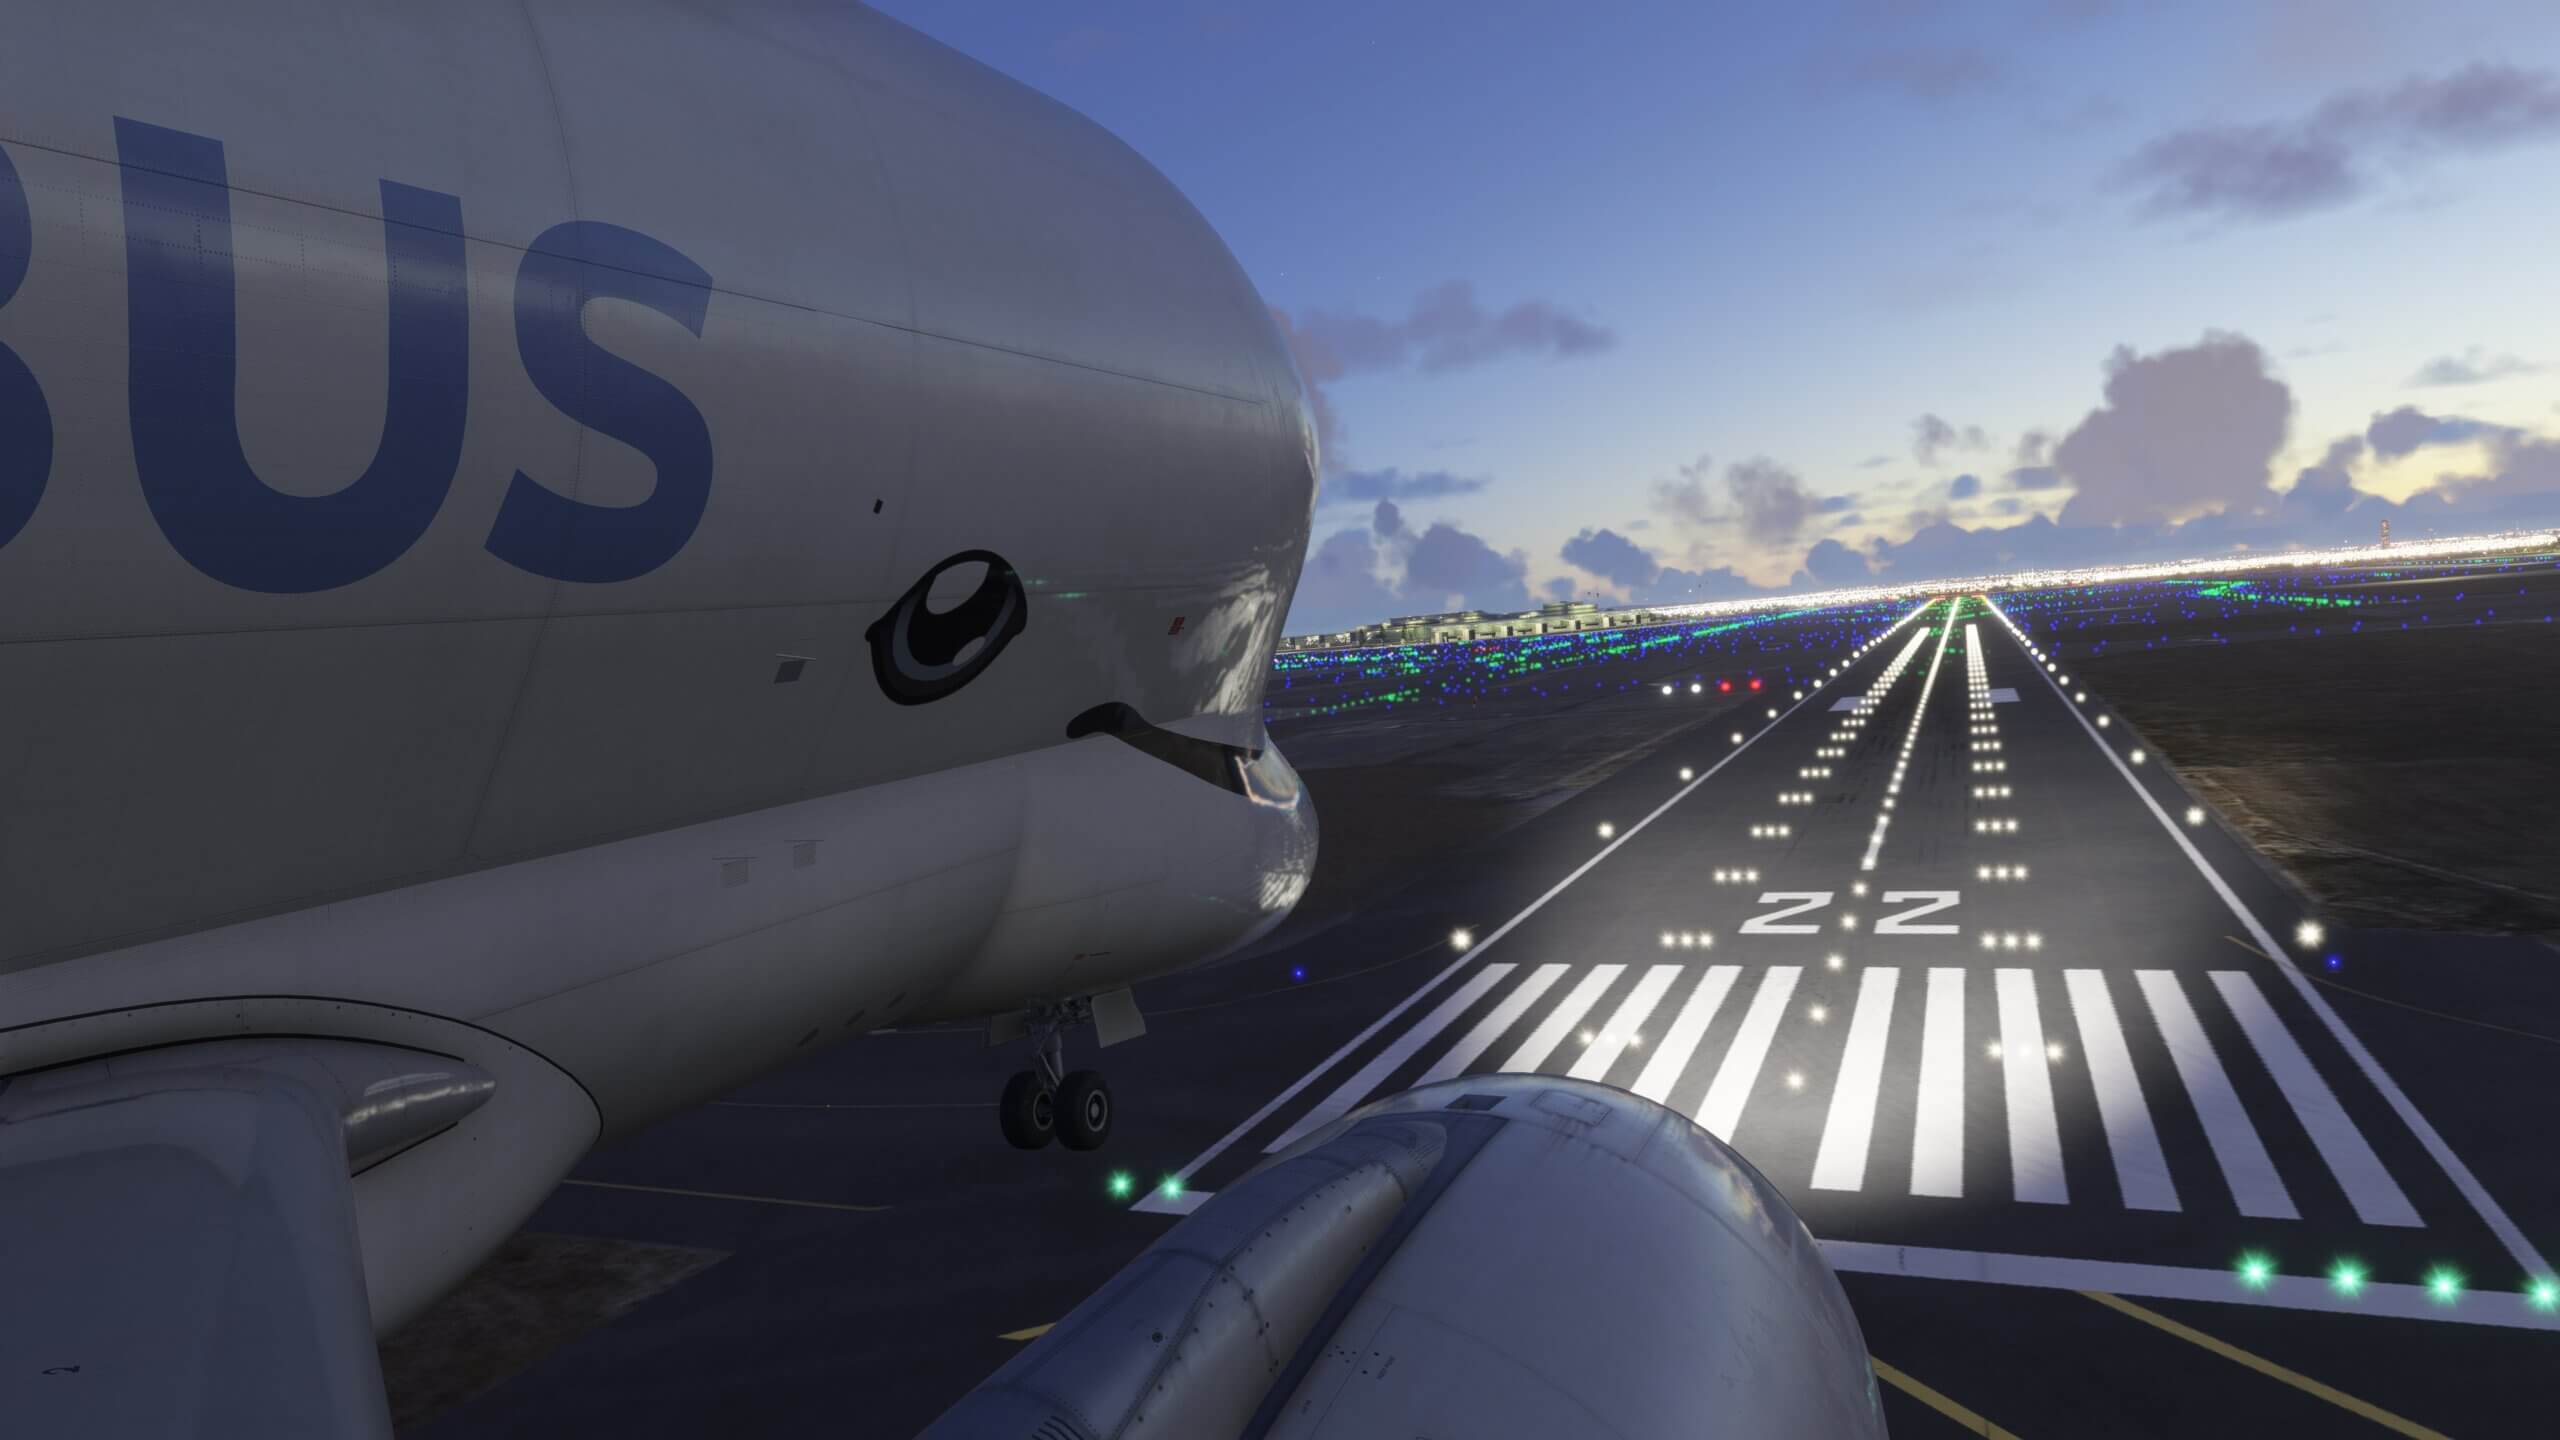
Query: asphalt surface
point(2155, 1081)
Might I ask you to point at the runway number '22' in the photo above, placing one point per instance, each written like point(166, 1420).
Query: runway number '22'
point(1929, 902)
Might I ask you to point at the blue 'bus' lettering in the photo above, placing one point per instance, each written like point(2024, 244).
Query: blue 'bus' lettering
point(540, 530)
point(26, 426)
point(184, 366)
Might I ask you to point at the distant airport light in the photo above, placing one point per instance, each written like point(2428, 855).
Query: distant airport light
point(2102, 722)
point(1818, 1014)
point(1737, 737)
point(2309, 934)
point(1696, 689)
point(1607, 829)
point(1833, 961)
point(1773, 712)
point(2195, 815)
point(1461, 939)
point(2136, 757)
point(2053, 1051)
point(1795, 1079)
point(1755, 683)
point(1666, 689)
point(1992, 1049)
point(2333, 962)
point(1686, 773)
point(2444, 1284)
point(1297, 972)
point(2347, 1278)
point(2082, 697)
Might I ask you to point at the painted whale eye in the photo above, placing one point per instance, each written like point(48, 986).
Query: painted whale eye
point(922, 655)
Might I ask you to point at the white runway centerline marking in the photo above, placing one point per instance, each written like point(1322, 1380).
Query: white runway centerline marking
point(1560, 1021)
point(1671, 1057)
point(1493, 1026)
point(2035, 1133)
point(1937, 1132)
point(1841, 1163)
point(2369, 1187)
point(1721, 1109)
point(2142, 1173)
point(1348, 1096)
point(2255, 1187)
point(1625, 1025)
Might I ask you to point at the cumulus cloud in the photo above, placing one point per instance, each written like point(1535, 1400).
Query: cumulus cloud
point(1832, 565)
point(2035, 447)
point(2181, 431)
point(1770, 497)
point(1964, 487)
point(1362, 486)
point(2472, 367)
point(2270, 171)
point(1340, 587)
point(1930, 435)
point(1449, 566)
point(2035, 477)
point(1613, 557)
point(1872, 461)
point(1685, 500)
point(1387, 520)
point(2403, 431)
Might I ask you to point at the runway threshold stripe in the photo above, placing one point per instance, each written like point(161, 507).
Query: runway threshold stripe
point(1841, 1161)
point(1721, 1109)
point(1671, 1058)
point(1622, 1028)
point(2482, 1203)
point(1542, 1042)
point(2142, 1172)
point(2370, 1188)
point(2255, 1187)
point(2035, 1132)
point(1937, 1131)
point(1348, 1095)
point(1492, 1027)
point(2269, 1368)
point(1940, 1403)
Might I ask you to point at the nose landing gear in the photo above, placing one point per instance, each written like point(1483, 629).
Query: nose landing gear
point(1048, 1100)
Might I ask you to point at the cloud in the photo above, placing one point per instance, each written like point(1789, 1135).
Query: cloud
point(1685, 500)
point(2181, 431)
point(1392, 484)
point(2035, 477)
point(1340, 587)
point(1930, 434)
point(2400, 432)
point(1771, 497)
point(1928, 74)
point(1613, 557)
point(1318, 367)
point(1387, 520)
point(1675, 587)
point(1836, 504)
point(1832, 565)
point(1872, 461)
point(1964, 487)
point(2035, 447)
point(2472, 367)
point(1447, 329)
point(2271, 171)
point(1560, 588)
point(1449, 566)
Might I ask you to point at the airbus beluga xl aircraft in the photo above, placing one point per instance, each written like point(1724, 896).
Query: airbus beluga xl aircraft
point(553, 558)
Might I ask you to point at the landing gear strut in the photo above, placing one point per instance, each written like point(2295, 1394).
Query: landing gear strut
point(1048, 1099)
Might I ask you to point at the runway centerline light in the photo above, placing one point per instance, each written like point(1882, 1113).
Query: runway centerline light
point(1737, 737)
point(1461, 939)
point(1607, 829)
point(1833, 961)
point(1687, 774)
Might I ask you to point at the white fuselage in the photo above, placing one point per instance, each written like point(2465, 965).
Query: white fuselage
point(457, 463)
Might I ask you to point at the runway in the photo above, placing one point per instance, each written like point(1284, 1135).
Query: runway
point(2194, 1121)
point(1934, 952)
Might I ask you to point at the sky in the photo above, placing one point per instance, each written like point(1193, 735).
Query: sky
point(1664, 301)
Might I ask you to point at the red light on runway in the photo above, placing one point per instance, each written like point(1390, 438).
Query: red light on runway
point(1755, 682)
point(1726, 686)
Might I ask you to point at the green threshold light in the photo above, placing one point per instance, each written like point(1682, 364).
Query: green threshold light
point(2543, 1294)
point(2444, 1284)
point(2256, 1270)
point(1172, 1187)
point(1123, 1184)
point(2347, 1278)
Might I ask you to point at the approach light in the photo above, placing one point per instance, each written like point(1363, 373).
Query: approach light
point(2102, 722)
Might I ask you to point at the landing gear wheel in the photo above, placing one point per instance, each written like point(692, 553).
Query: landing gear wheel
point(1029, 1111)
point(1084, 1111)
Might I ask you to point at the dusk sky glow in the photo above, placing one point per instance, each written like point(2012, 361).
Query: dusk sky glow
point(1666, 302)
